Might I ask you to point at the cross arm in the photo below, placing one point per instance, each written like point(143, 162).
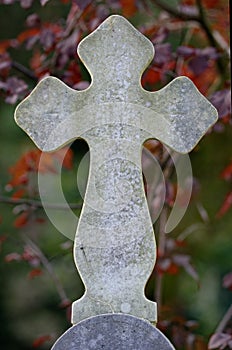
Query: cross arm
point(184, 113)
point(47, 115)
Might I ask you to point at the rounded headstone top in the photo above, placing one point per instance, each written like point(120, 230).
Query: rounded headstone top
point(113, 332)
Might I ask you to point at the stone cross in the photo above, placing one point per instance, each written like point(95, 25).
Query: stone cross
point(114, 248)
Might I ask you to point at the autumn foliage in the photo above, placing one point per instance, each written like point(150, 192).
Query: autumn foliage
point(191, 38)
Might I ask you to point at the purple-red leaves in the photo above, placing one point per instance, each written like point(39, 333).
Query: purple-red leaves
point(12, 257)
point(41, 340)
point(24, 3)
point(222, 101)
point(21, 220)
point(173, 259)
point(198, 59)
point(220, 341)
point(226, 205)
point(30, 162)
point(129, 7)
point(226, 174)
point(227, 281)
point(23, 176)
point(35, 273)
point(5, 64)
point(14, 88)
point(44, 2)
point(82, 4)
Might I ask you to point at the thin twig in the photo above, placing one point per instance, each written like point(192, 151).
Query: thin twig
point(201, 18)
point(22, 69)
point(45, 262)
point(226, 318)
point(176, 12)
point(209, 33)
point(37, 204)
point(161, 249)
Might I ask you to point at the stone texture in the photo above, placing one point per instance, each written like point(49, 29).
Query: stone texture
point(114, 248)
point(113, 332)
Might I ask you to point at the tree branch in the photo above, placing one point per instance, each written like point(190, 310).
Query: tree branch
point(36, 250)
point(22, 69)
point(201, 18)
point(37, 204)
point(176, 12)
point(161, 249)
point(226, 318)
point(209, 33)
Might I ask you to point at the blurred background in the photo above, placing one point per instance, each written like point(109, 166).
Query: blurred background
point(192, 281)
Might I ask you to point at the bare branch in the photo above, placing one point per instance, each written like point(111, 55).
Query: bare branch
point(226, 318)
point(176, 12)
point(201, 18)
point(161, 249)
point(48, 266)
point(21, 68)
point(37, 204)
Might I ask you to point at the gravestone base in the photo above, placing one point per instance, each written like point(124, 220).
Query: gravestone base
point(113, 332)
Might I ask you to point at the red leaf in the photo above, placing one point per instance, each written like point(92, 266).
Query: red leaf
point(67, 158)
point(184, 261)
point(167, 266)
point(151, 76)
point(2, 240)
point(45, 164)
point(173, 269)
point(47, 38)
point(21, 220)
point(43, 2)
point(24, 165)
point(219, 341)
point(227, 281)
point(225, 206)
point(65, 303)
point(40, 220)
point(41, 340)
point(211, 3)
point(14, 88)
point(227, 172)
point(206, 3)
point(163, 54)
point(38, 65)
point(222, 101)
point(35, 273)
point(12, 257)
point(27, 34)
point(18, 194)
point(5, 64)
point(82, 4)
point(29, 256)
point(26, 3)
point(33, 20)
point(4, 45)
point(72, 75)
point(128, 7)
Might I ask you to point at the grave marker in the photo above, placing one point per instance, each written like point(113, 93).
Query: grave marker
point(114, 248)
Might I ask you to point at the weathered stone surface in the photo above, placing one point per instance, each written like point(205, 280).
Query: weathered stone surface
point(113, 332)
point(114, 247)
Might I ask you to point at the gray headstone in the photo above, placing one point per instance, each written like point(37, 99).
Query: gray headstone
point(113, 332)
